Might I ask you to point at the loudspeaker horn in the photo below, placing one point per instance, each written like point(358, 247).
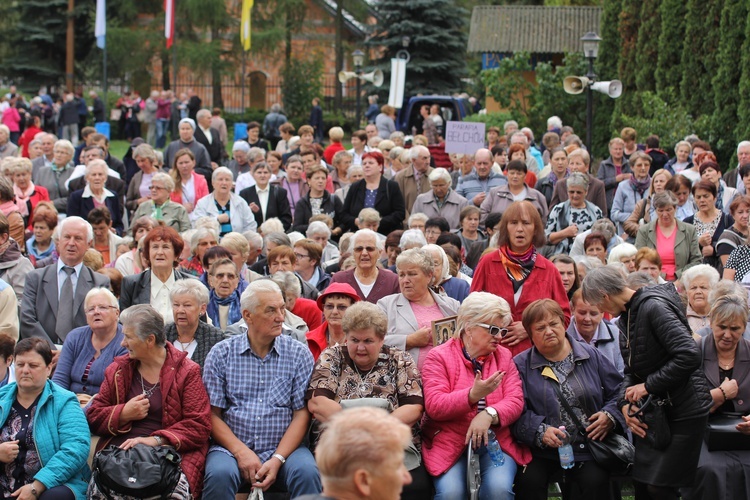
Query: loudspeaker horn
point(575, 84)
point(346, 75)
point(613, 89)
point(376, 77)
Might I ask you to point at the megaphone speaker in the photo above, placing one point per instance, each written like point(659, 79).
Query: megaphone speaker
point(613, 89)
point(346, 75)
point(575, 84)
point(376, 77)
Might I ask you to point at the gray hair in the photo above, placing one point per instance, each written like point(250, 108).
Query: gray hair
point(416, 257)
point(80, 220)
point(6, 189)
point(602, 281)
point(250, 300)
point(728, 307)
point(144, 321)
point(509, 123)
point(440, 174)
point(415, 151)
point(578, 179)
point(638, 279)
point(664, 199)
point(95, 292)
point(700, 271)
point(417, 216)
point(166, 179)
point(208, 223)
point(622, 250)
point(253, 239)
point(397, 135)
point(353, 168)
point(201, 113)
point(275, 108)
point(146, 152)
point(606, 227)
point(726, 287)
point(288, 282)
point(742, 144)
point(65, 145)
point(199, 234)
point(96, 163)
point(221, 170)
point(554, 121)
point(363, 232)
point(318, 227)
point(482, 307)
point(446, 264)
point(256, 154)
point(277, 237)
point(687, 145)
point(412, 237)
point(194, 288)
point(396, 151)
point(272, 225)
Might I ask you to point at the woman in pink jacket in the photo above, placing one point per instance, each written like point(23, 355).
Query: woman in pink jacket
point(471, 385)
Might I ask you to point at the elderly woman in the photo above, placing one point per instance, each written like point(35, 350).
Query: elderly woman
point(370, 282)
point(630, 191)
point(139, 188)
point(579, 161)
point(711, 172)
point(374, 191)
point(7, 147)
point(41, 244)
point(411, 312)
point(726, 355)
point(623, 253)
point(571, 217)
point(709, 221)
point(568, 270)
point(341, 162)
point(294, 182)
point(11, 211)
point(501, 197)
point(160, 207)
point(681, 160)
point(89, 350)
point(95, 195)
point(441, 201)
point(733, 237)
point(188, 333)
point(698, 281)
point(682, 188)
point(516, 270)
point(131, 262)
point(644, 211)
point(224, 301)
point(590, 384)
point(463, 165)
point(472, 366)
point(189, 186)
point(588, 325)
point(317, 201)
point(154, 396)
point(274, 203)
point(161, 250)
point(53, 178)
point(227, 207)
point(45, 440)
point(675, 241)
point(302, 314)
point(443, 283)
point(365, 367)
point(202, 240)
point(661, 360)
point(334, 301)
point(27, 194)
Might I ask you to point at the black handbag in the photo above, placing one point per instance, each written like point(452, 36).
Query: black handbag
point(141, 471)
point(723, 434)
point(651, 412)
point(614, 453)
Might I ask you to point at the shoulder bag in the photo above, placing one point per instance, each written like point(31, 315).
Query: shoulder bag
point(651, 412)
point(140, 472)
point(723, 434)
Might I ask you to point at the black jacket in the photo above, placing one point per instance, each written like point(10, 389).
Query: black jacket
point(658, 349)
point(389, 203)
point(136, 289)
point(215, 148)
point(331, 206)
point(278, 205)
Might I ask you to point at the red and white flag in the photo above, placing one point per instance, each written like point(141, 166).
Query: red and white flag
point(169, 21)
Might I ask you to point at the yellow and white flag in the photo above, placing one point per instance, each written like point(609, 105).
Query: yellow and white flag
point(247, 7)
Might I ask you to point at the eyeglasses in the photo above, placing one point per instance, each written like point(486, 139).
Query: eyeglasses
point(331, 307)
point(368, 249)
point(102, 309)
point(300, 256)
point(229, 276)
point(433, 232)
point(157, 188)
point(494, 330)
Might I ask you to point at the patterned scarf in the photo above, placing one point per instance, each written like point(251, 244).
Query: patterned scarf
point(518, 266)
point(233, 301)
point(477, 362)
point(640, 186)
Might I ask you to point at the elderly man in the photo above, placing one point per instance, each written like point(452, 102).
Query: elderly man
point(52, 302)
point(48, 151)
point(187, 140)
point(475, 186)
point(414, 179)
point(371, 130)
point(732, 178)
point(114, 163)
point(510, 127)
point(209, 137)
point(258, 427)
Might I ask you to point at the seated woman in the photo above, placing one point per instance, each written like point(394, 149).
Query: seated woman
point(224, 299)
point(443, 283)
point(588, 325)
point(472, 367)
point(27, 194)
point(334, 301)
point(154, 396)
point(624, 253)
point(160, 207)
point(189, 185)
point(697, 282)
point(317, 201)
point(726, 357)
point(588, 381)
point(96, 195)
point(89, 350)
point(202, 240)
point(34, 411)
point(275, 202)
point(41, 245)
point(301, 315)
point(411, 312)
point(367, 368)
point(188, 333)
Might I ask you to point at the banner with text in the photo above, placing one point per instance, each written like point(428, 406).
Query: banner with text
point(464, 137)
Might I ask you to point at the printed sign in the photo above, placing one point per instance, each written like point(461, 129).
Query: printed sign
point(464, 137)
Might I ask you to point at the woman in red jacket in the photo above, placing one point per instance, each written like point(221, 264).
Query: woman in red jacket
point(471, 386)
point(154, 396)
point(517, 273)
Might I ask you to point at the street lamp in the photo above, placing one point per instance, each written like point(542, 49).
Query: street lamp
point(359, 58)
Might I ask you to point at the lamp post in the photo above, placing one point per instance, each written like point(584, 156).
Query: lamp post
point(358, 57)
point(590, 52)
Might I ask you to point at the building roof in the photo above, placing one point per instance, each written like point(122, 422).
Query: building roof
point(531, 29)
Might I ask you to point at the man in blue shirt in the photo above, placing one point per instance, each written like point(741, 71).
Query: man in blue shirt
point(475, 186)
point(256, 384)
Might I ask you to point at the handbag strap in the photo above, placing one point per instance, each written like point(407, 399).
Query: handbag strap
point(566, 406)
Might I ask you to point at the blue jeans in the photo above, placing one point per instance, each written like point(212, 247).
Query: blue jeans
point(161, 132)
point(299, 474)
point(497, 482)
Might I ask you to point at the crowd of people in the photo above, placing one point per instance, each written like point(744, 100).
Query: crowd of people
point(243, 310)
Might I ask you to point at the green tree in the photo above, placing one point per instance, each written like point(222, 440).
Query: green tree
point(647, 45)
point(742, 131)
point(628, 28)
point(301, 83)
point(607, 67)
point(727, 78)
point(668, 71)
point(437, 45)
point(507, 85)
point(666, 118)
point(549, 98)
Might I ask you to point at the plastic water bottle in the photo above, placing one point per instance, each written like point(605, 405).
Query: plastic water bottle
point(494, 450)
point(567, 460)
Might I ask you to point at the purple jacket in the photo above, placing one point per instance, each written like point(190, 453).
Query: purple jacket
point(594, 379)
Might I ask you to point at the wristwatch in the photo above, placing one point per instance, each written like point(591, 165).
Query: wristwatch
point(492, 413)
point(33, 491)
point(280, 457)
point(158, 440)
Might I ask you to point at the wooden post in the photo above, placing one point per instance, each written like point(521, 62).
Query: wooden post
point(70, 47)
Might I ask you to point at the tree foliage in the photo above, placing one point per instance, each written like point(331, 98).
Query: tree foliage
point(302, 81)
point(507, 84)
point(607, 67)
point(668, 71)
point(647, 45)
point(742, 132)
point(666, 118)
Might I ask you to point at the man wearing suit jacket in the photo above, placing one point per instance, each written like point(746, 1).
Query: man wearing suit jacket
point(209, 137)
point(277, 204)
point(46, 310)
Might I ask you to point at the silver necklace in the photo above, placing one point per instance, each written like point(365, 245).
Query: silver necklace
point(184, 345)
point(362, 385)
point(148, 392)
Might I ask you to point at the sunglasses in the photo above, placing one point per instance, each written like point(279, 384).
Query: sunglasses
point(494, 330)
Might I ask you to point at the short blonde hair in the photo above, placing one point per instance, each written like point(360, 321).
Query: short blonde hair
point(94, 292)
point(363, 316)
point(582, 153)
point(482, 307)
point(369, 215)
point(235, 242)
point(93, 259)
point(336, 134)
point(165, 178)
point(20, 165)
